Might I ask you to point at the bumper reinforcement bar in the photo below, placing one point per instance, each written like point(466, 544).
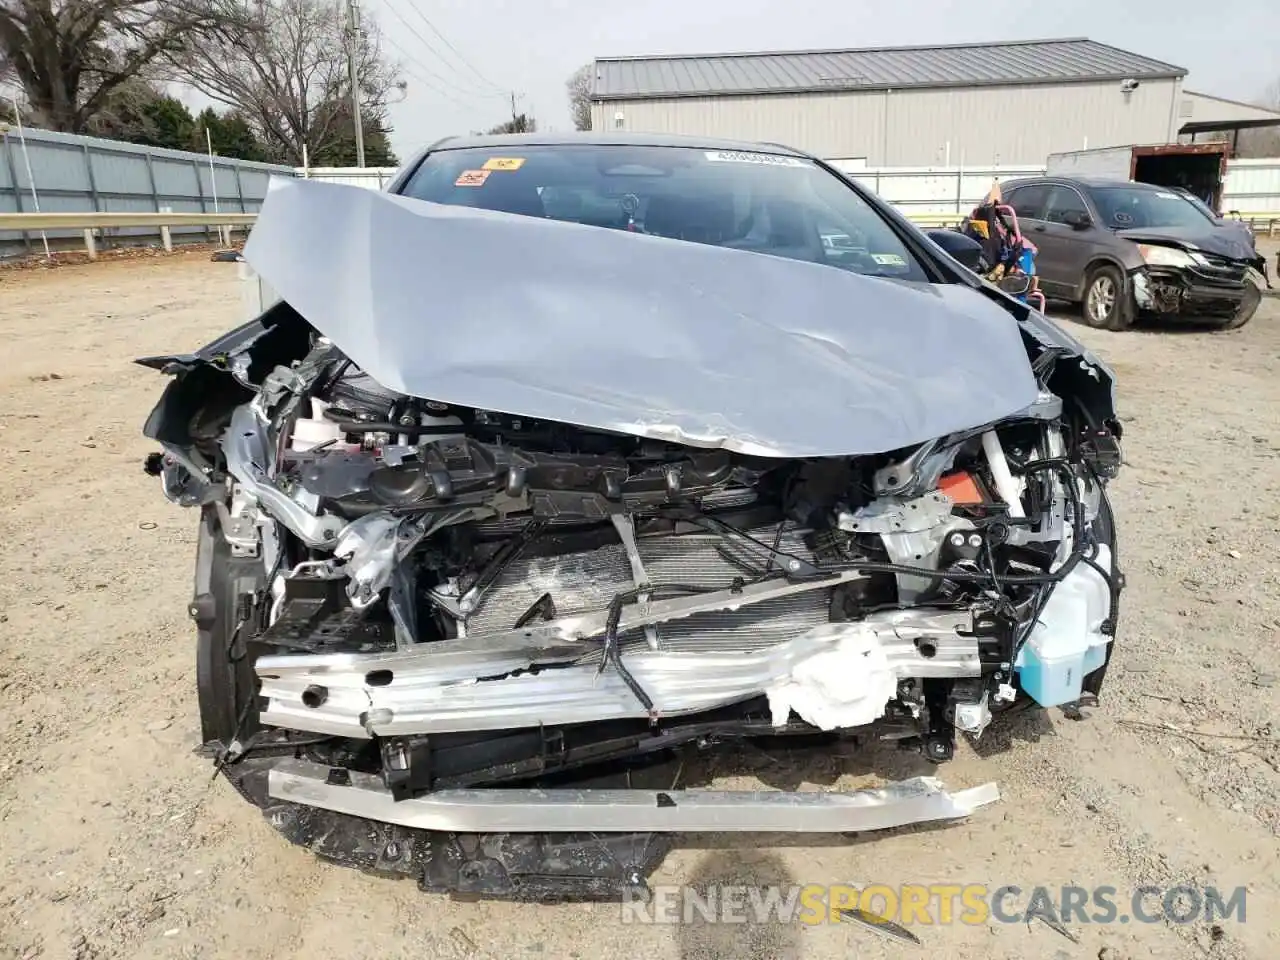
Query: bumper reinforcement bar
point(917, 800)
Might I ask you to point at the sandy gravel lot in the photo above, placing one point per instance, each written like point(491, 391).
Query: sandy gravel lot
point(115, 843)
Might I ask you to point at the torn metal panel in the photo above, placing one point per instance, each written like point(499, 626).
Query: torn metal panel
point(918, 800)
point(637, 334)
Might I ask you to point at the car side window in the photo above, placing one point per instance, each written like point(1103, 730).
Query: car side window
point(1029, 201)
point(1064, 200)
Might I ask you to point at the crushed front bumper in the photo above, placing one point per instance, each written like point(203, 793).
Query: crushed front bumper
point(1188, 292)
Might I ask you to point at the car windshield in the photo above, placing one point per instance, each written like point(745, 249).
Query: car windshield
point(767, 203)
point(1125, 208)
point(1199, 204)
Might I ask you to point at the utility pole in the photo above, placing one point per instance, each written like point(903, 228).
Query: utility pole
point(353, 46)
point(519, 121)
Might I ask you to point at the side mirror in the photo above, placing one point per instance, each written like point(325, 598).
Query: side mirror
point(965, 249)
point(1015, 285)
point(1077, 219)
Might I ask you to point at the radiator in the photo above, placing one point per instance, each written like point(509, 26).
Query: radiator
point(581, 582)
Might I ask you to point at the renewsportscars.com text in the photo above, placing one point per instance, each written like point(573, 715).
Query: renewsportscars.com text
point(935, 904)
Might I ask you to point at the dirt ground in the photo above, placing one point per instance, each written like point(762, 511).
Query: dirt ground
point(114, 842)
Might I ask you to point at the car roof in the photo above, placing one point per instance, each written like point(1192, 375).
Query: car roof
point(1083, 182)
point(611, 138)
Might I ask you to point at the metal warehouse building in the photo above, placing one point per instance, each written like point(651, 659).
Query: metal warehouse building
point(977, 104)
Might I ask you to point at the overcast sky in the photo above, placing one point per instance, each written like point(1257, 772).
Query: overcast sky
point(1230, 47)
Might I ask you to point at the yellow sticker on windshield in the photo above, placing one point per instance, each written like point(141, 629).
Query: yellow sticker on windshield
point(503, 163)
point(471, 178)
point(888, 260)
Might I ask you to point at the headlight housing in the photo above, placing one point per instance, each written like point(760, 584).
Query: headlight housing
point(1159, 256)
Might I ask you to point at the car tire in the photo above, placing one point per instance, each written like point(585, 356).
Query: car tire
point(1248, 307)
point(1106, 301)
point(225, 681)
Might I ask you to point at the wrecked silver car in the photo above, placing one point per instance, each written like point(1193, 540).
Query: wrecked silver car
point(568, 453)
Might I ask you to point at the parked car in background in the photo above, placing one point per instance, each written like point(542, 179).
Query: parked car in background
point(1122, 249)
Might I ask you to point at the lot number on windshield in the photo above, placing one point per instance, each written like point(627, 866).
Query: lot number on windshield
point(768, 159)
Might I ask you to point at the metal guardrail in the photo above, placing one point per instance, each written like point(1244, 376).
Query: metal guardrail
point(223, 222)
point(1269, 219)
point(98, 221)
point(89, 222)
point(934, 219)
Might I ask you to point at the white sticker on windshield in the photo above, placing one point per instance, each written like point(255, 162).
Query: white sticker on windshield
point(767, 159)
point(1167, 196)
point(889, 259)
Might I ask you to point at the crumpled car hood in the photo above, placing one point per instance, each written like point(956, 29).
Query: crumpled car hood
point(1224, 241)
point(641, 335)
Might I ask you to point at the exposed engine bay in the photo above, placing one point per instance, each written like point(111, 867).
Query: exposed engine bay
point(407, 603)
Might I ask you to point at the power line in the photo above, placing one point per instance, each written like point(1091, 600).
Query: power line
point(445, 40)
point(427, 43)
point(439, 85)
point(442, 91)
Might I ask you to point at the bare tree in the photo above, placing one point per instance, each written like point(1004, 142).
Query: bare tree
point(1272, 96)
point(287, 74)
point(579, 87)
point(1263, 141)
point(519, 123)
point(8, 76)
point(69, 56)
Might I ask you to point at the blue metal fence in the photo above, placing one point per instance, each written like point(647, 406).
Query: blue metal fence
point(75, 174)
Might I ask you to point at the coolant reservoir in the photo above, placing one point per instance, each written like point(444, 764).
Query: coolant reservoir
point(1067, 642)
point(311, 432)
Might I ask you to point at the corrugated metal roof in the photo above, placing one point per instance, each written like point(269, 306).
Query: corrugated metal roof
point(1025, 61)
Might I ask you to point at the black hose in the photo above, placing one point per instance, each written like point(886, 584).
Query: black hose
point(1115, 580)
point(256, 745)
point(333, 378)
point(612, 655)
point(956, 576)
point(1077, 550)
point(386, 426)
point(964, 576)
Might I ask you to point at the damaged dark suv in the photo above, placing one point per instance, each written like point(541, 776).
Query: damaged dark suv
point(1124, 249)
point(570, 452)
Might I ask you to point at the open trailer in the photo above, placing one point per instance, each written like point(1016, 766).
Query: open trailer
point(1198, 167)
